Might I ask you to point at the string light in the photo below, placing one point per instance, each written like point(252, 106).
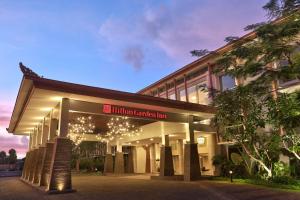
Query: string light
point(119, 127)
point(78, 129)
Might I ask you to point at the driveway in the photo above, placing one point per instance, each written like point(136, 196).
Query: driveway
point(131, 188)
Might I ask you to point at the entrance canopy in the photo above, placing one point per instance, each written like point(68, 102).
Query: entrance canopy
point(39, 96)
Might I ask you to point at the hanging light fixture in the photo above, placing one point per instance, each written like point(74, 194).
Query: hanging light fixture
point(119, 127)
point(81, 126)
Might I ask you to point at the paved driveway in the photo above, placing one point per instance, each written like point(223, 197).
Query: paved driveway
point(111, 188)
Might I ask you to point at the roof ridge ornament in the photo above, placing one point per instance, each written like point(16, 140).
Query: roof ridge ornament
point(27, 71)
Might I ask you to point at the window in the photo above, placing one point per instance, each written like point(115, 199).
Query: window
point(172, 96)
point(202, 94)
point(163, 95)
point(192, 92)
point(227, 82)
point(197, 94)
point(182, 96)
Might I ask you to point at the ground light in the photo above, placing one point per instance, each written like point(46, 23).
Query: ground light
point(230, 172)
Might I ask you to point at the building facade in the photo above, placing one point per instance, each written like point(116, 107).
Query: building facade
point(174, 135)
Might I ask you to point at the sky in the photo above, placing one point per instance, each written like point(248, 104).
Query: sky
point(121, 44)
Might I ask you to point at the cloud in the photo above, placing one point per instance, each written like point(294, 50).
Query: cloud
point(8, 141)
point(177, 27)
point(134, 55)
point(19, 143)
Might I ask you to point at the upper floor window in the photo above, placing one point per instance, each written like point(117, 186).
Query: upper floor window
point(182, 95)
point(227, 82)
point(197, 94)
point(172, 96)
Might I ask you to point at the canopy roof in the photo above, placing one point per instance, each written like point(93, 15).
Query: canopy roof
point(38, 95)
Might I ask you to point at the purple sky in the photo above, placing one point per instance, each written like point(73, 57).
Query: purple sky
point(123, 45)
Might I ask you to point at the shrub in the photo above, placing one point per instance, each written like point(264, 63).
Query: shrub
point(281, 169)
point(285, 180)
point(86, 164)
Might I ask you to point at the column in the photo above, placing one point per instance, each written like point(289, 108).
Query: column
point(166, 159)
point(186, 90)
point(41, 154)
point(210, 85)
point(180, 153)
point(24, 170)
point(108, 163)
point(35, 155)
point(148, 164)
point(191, 156)
point(52, 127)
point(175, 88)
point(119, 160)
point(153, 158)
point(167, 92)
point(129, 164)
point(28, 168)
point(60, 168)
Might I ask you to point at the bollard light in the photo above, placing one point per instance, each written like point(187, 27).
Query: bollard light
point(230, 172)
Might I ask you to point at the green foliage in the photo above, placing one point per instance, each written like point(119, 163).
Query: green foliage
point(286, 180)
point(12, 156)
point(239, 170)
point(86, 164)
point(281, 169)
point(2, 157)
point(218, 160)
point(236, 158)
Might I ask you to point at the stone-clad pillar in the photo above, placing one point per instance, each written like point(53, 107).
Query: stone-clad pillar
point(24, 170)
point(33, 164)
point(60, 168)
point(28, 165)
point(191, 156)
point(39, 164)
point(148, 163)
point(25, 167)
point(47, 163)
point(108, 163)
point(41, 154)
point(166, 159)
point(53, 124)
point(119, 167)
point(129, 166)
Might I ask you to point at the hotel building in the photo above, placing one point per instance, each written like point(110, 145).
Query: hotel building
point(174, 136)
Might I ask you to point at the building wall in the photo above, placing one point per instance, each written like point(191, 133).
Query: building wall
point(141, 160)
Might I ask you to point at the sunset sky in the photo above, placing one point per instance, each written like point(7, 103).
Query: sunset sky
point(121, 44)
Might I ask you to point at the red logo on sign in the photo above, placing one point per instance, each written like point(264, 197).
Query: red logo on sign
point(107, 108)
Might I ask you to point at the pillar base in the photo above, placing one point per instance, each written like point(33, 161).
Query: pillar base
point(25, 172)
point(129, 162)
point(119, 163)
point(191, 162)
point(166, 161)
point(60, 170)
point(32, 165)
point(39, 165)
point(108, 164)
point(47, 163)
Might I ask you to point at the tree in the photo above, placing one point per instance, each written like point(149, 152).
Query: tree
point(253, 113)
point(2, 157)
point(284, 113)
point(12, 156)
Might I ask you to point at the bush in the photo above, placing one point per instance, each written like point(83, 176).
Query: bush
point(86, 164)
point(99, 164)
point(285, 180)
point(281, 169)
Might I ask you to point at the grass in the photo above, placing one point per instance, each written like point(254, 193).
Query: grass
point(261, 182)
